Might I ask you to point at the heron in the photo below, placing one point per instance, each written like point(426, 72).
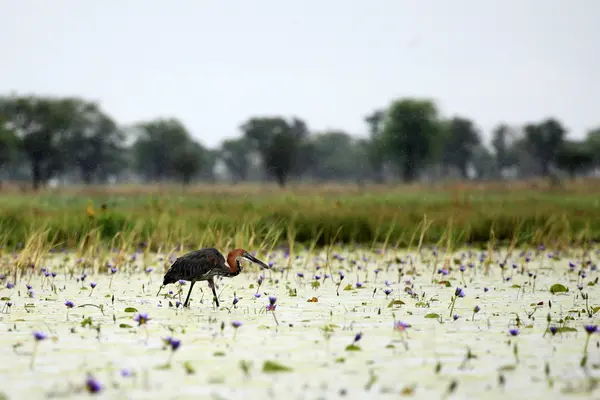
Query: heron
point(204, 265)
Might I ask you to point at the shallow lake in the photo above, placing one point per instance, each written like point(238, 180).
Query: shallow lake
point(327, 337)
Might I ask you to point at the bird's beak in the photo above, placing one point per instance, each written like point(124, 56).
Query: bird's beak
point(255, 260)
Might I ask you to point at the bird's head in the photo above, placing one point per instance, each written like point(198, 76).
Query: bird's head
point(237, 255)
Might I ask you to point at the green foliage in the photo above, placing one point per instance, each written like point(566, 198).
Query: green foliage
point(164, 148)
point(76, 140)
point(410, 132)
point(42, 124)
point(274, 367)
point(235, 153)
point(558, 288)
point(278, 142)
point(460, 138)
point(544, 141)
point(502, 138)
point(575, 157)
point(9, 142)
point(197, 218)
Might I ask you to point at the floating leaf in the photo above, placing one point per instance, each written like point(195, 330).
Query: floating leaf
point(408, 390)
point(272, 366)
point(564, 329)
point(340, 360)
point(219, 354)
point(348, 287)
point(509, 367)
point(5, 298)
point(432, 315)
point(515, 286)
point(353, 347)
point(189, 369)
point(395, 303)
point(595, 310)
point(125, 326)
point(313, 300)
point(131, 309)
point(558, 288)
point(316, 284)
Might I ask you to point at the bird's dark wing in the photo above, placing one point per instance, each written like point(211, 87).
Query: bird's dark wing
point(194, 265)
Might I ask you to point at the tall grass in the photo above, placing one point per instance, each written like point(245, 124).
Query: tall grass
point(262, 216)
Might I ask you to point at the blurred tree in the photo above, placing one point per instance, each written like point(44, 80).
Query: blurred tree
point(93, 142)
point(158, 146)
point(278, 142)
point(575, 157)
point(375, 147)
point(460, 138)
point(410, 131)
point(9, 142)
point(337, 156)
point(483, 162)
point(592, 140)
point(544, 141)
point(41, 123)
point(502, 138)
point(188, 159)
point(209, 160)
point(235, 154)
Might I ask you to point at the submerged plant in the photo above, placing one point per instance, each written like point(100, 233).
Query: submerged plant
point(458, 293)
point(69, 304)
point(236, 325)
point(590, 330)
point(173, 344)
point(38, 336)
point(271, 307)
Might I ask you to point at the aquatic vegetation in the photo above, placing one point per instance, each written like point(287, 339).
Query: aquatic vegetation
point(343, 319)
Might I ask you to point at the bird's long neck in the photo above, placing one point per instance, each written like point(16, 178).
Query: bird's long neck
point(234, 265)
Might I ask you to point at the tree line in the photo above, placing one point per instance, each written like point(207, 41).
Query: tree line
point(74, 139)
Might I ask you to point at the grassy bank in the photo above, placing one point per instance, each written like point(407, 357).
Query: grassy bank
point(253, 214)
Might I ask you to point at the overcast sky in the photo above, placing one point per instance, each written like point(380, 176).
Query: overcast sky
point(213, 64)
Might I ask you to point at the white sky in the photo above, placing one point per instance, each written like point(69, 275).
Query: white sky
point(213, 64)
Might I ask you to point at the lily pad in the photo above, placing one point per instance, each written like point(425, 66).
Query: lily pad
point(274, 367)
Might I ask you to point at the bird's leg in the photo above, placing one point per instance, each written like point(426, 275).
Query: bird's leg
point(211, 284)
point(187, 299)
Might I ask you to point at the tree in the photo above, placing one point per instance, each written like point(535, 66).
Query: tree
point(375, 147)
point(278, 142)
point(592, 141)
point(484, 162)
point(41, 123)
point(158, 145)
point(235, 154)
point(93, 142)
point(336, 154)
point(460, 140)
point(544, 141)
point(188, 160)
point(9, 143)
point(575, 157)
point(410, 131)
point(502, 138)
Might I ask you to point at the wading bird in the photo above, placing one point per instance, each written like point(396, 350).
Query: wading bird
point(204, 265)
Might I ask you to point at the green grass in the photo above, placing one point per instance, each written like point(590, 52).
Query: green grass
point(222, 216)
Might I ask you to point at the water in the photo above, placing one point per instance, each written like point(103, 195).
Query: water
point(390, 362)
